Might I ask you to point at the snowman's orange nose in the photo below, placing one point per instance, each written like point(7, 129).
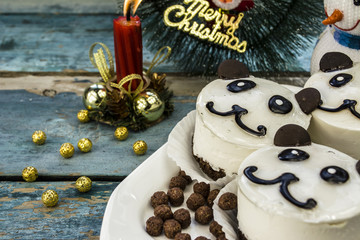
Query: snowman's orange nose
point(226, 1)
point(335, 17)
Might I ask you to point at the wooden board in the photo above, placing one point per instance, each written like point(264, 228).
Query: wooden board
point(22, 113)
point(77, 215)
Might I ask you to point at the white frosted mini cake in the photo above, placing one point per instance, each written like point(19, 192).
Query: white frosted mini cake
point(307, 191)
point(235, 117)
point(337, 121)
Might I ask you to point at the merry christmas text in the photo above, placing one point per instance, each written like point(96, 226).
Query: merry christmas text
point(219, 21)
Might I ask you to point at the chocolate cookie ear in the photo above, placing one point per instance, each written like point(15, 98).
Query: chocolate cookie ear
point(335, 61)
point(232, 69)
point(292, 135)
point(308, 99)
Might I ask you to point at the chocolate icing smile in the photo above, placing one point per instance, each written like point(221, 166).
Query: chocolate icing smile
point(284, 180)
point(347, 104)
point(238, 112)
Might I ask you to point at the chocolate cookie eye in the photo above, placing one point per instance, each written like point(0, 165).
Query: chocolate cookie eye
point(334, 174)
point(293, 155)
point(341, 79)
point(279, 104)
point(357, 2)
point(240, 86)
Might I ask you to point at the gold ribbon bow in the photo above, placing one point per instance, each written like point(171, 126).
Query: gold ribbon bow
point(107, 73)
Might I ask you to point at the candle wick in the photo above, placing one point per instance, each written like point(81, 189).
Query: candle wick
point(128, 14)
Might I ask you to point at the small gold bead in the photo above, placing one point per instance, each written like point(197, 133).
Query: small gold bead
point(121, 133)
point(140, 147)
point(30, 174)
point(39, 137)
point(83, 116)
point(67, 150)
point(50, 198)
point(84, 145)
point(83, 184)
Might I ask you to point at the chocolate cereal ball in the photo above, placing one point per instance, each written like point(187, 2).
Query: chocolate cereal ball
point(159, 198)
point(185, 176)
point(176, 196)
point(182, 236)
point(182, 215)
point(228, 201)
point(212, 195)
point(202, 188)
point(163, 211)
point(171, 228)
point(221, 237)
point(216, 229)
point(178, 181)
point(195, 201)
point(154, 226)
point(204, 215)
point(202, 238)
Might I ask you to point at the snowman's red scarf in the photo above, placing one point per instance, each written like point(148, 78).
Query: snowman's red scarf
point(347, 40)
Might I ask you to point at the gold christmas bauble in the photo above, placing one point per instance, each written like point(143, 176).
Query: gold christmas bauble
point(84, 145)
point(50, 198)
point(93, 97)
point(121, 133)
point(83, 116)
point(30, 174)
point(149, 105)
point(67, 150)
point(140, 147)
point(83, 184)
point(39, 137)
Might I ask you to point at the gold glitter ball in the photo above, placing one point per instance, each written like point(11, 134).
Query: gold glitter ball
point(121, 133)
point(39, 137)
point(30, 174)
point(84, 145)
point(140, 147)
point(94, 96)
point(83, 116)
point(149, 105)
point(83, 184)
point(50, 198)
point(67, 150)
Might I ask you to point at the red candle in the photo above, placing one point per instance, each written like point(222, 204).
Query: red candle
point(128, 48)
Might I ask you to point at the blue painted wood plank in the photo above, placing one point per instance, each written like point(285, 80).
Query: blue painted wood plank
point(56, 42)
point(77, 215)
point(22, 113)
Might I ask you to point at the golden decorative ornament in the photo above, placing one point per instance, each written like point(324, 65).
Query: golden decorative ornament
point(84, 145)
point(149, 105)
point(140, 147)
point(39, 137)
point(50, 198)
point(83, 116)
point(83, 184)
point(93, 97)
point(121, 133)
point(67, 150)
point(30, 174)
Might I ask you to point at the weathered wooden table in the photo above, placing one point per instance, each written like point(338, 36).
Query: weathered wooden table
point(44, 69)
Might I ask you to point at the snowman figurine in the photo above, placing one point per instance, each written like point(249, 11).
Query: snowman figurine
point(342, 33)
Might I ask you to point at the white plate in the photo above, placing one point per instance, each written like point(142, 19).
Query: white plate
point(129, 205)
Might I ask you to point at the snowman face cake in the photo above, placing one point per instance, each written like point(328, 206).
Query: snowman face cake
point(237, 116)
point(306, 192)
point(337, 121)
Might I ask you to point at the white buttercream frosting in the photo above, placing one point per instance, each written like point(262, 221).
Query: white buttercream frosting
point(220, 141)
point(264, 213)
point(340, 130)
